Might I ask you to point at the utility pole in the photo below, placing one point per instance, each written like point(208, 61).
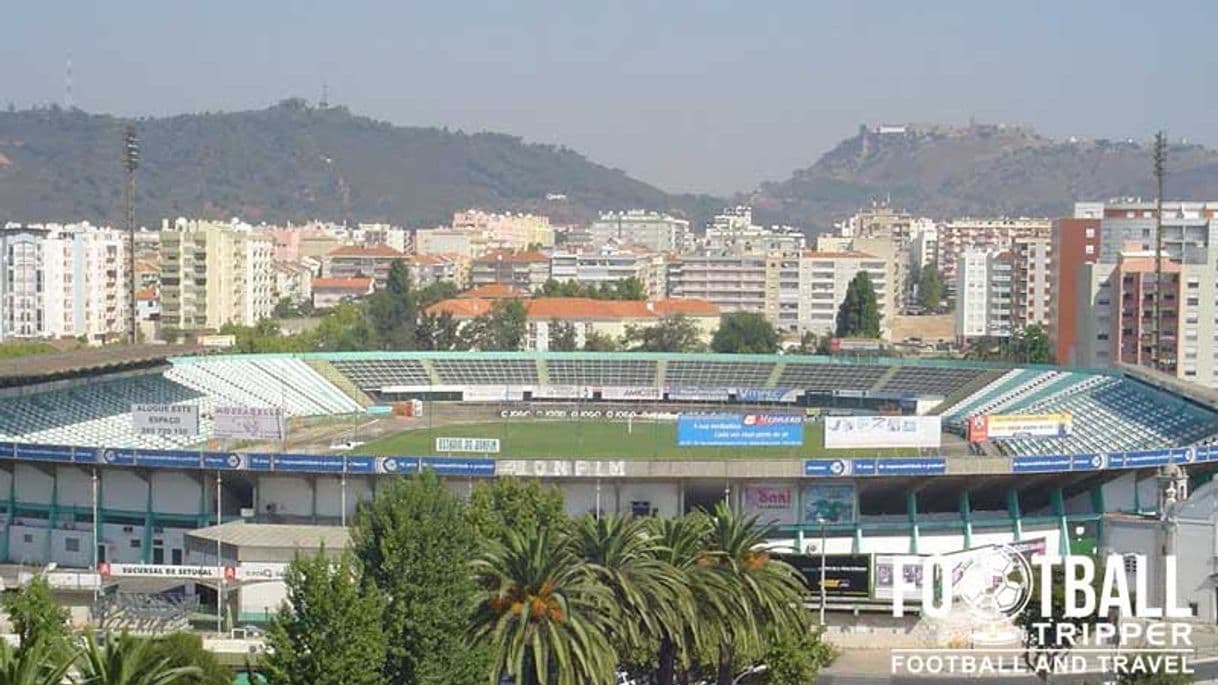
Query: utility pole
point(1159, 158)
point(131, 145)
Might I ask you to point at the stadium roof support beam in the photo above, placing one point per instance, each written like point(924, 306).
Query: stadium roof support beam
point(1016, 515)
point(911, 503)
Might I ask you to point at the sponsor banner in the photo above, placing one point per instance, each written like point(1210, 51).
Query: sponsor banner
point(359, 465)
point(561, 392)
point(161, 571)
point(484, 445)
point(395, 465)
point(452, 466)
point(767, 394)
point(828, 468)
point(227, 461)
point(115, 457)
point(1049, 463)
point(60, 453)
point(1022, 426)
point(693, 394)
point(216, 340)
point(248, 423)
point(255, 572)
point(170, 459)
point(259, 462)
point(632, 393)
point(744, 430)
point(771, 504)
point(492, 393)
point(882, 431)
point(846, 575)
point(901, 466)
point(308, 463)
point(912, 569)
point(165, 420)
point(832, 502)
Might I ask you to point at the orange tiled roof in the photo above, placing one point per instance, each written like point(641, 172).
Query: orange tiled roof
point(146, 295)
point(692, 307)
point(460, 308)
point(494, 291)
point(343, 283)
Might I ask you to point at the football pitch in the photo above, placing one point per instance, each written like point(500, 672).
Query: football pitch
point(601, 440)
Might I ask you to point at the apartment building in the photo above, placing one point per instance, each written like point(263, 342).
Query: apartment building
point(426, 269)
point(608, 265)
point(986, 234)
point(508, 231)
point(651, 231)
point(292, 281)
point(824, 278)
point(63, 281)
point(1031, 282)
point(734, 232)
point(212, 274)
point(523, 269)
point(354, 261)
point(984, 295)
point(732, 282)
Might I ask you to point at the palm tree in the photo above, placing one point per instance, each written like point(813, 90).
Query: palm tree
point(544, 616)
point(767, 593)
point(630, 561)
point(127, 660)
point(38, 663)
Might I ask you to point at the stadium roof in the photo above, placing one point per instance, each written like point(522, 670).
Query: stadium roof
point(94, 360)
point(270, 541)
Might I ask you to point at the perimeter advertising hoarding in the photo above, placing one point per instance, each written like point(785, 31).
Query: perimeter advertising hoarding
point(1019, 426)
point(912, 570)
point(248, 423)
point(882, 431)
point(771, 504)
point(166, 420)
point(831, 502)
point(846, 575)
point(740, 430)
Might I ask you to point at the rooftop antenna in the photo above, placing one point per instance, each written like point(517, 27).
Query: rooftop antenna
point(1160, 159)
point(67, 84)
point(325, 95)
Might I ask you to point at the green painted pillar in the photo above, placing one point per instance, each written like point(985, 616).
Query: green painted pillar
point(1063, 529)
point(313, 503)
point(10, 508)
point(1137, 495)
point(1016, 516)
point(52, 515)
point(149, 523)
point(966, 518)
point(911, 505)
point(1098, 508)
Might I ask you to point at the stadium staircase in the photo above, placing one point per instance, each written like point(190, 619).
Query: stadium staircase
point(661, 372)
point(327, 371)
point(888, 374)
point(772, 381)
point(543, 372)
point(430, 369)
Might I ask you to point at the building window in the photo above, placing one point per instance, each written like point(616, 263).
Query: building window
point(71, 544)
point(1090, 249)
point(27, 538)
point(135, 544)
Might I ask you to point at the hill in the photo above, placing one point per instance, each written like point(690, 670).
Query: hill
point(293, 162)
point(946, 172)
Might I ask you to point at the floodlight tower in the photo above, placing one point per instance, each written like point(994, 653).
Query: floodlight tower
point(1159, 158)
point(131, 145)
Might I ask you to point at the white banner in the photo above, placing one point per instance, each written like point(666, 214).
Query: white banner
point(632, 393)
point(162, 571)
point(485, 445)
point(254, 572)
point(168, 420)
point(561, 392)
point(690, 394)
point(882, 431)
point(248, 423)
point(771, 504)
point(492, 393)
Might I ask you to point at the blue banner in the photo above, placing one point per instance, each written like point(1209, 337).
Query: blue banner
point(445, 466)
point(258, 462)
point(765, 395)
point(60, 453)
point(740, 430)
point(359, 465)
point(171, 459)
point(308, 463)
point(396, 465)
point(828, 468)
point(1050, 463)
point(117, 457)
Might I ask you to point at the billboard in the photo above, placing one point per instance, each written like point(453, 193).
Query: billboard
point(771, 504)
point(248, 423)
point(912, 569)
point(645, 392)
point(161, 571)
point(485, 445)
point(833, 502)
point(846, 575)
point(166, 420)
point(740, 430)
point(1008, 426)
point(882, 431)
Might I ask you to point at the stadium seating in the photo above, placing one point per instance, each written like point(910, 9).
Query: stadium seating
point(719, 374)
point(373, 374)
point(930, 380)
point(459, 371)
point(264, 382)
point(638, 372)
point(830, 377)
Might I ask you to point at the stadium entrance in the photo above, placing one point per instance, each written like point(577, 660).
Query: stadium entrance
point(705, 495)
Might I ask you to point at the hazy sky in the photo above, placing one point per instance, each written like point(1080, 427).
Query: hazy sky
point(706, 96)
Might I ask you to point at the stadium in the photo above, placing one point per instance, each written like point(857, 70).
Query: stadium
point(169, 458)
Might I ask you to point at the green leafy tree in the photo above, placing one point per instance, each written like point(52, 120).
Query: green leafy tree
point(436, 292)
point(859, 315)
point(562, 336)
point(183, 650)
point(328, 632)
point(128, 660)
point(35, 616)
point(745, 333)
point(345, 328)
point(413, 542)
point(794, 657)
point(599, 342)
point(930, 289)
point(393, 312)
point(1029, 345)
point(543, 616)
point(502, 328)
point(284, 308)
point(674, 333)
point(438, 332)
point(501, 505)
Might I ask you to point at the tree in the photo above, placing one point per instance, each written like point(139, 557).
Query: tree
point(599, 342)
point(859, 316)
point(393, 312)
point(181, 650)
point(501, 505)
point(436, 292)
point(543, 615)
point(1029, 345)
point(413, 542)
point(438, 332)
point(930, 289)
point(128, 660)
point(345, 328)
point(562, 336)
point(328, 632)
point(502, 328)
point(284, 308)
point(34, 615)
point(674, 333)
point(794, 657)
point(630, 289)
point(36, 663)
point(809, 343)
point(745, 333)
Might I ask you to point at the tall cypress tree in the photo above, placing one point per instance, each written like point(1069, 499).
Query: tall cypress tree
point(859, 315)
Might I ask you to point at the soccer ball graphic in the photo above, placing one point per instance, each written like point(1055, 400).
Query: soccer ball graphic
point(997, 581)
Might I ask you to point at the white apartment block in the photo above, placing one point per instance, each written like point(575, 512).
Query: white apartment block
point(983, 295)
point(63, 282)
point(213, 274)
point(824, 278)
point(733, 232)
point(1031, 282)
point(650, 230)
point(608, 265)
point(986, 234)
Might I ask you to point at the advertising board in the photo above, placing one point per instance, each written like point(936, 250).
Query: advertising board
point(771, 504)
point(166, 420)
point(248, 423)
point(1019, 426)
point(483, 445)
point(846, 575)
point(831, 502)
point(740, 430)
point(882, 431)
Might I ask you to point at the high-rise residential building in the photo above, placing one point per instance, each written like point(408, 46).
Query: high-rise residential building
point(213, 274)
point(650, 230)
point(986, 234)
point(528, 269)
point(732, 282)
point(733, 232)
point(1075, 243)
point(608, 265)
point(824, 278)
point(984, 295)
point(63, 281)
point(507, 231)
point(1031, 282)
point(354, 261)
